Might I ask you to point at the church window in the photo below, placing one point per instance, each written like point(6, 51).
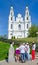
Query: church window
point(11, 18)
point(19, 26)
point(11, 34)
point(11, 26)
point(27, 26)
point(27, 13)
point(27, 18)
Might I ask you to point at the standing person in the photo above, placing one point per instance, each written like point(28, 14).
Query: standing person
point(11, 52)
point(33, 50)
point(26, 55)
point(28, 51)
point(22, 52)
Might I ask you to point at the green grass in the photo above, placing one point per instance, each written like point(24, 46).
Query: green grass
point(4, 47)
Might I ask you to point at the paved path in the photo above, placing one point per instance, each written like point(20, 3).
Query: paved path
point(35, 62)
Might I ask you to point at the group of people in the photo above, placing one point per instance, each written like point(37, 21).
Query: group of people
point(23, 52)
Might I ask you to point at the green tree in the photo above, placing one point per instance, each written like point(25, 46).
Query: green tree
point(33, 30)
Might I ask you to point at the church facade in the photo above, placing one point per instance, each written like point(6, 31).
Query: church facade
point(18, 27)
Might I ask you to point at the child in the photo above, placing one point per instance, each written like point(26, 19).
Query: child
point(17, 53)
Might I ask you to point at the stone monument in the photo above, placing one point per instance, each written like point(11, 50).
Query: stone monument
point(11, 53)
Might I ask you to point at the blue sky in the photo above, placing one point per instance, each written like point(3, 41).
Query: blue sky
point(19, 7)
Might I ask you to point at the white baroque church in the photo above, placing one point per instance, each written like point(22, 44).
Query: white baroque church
point(19, 26)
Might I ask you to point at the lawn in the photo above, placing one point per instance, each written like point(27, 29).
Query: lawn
point(4, 47)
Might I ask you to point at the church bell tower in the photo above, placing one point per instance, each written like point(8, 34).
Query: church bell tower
point(27, 21)
point(10, 23)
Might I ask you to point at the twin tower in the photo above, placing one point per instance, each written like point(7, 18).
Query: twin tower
point(18, 27)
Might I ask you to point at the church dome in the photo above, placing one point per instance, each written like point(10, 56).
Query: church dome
point(26, 7)
point(19, 15)
point(11, 8)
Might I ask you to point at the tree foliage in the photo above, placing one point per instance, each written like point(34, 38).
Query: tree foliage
point(33, 30)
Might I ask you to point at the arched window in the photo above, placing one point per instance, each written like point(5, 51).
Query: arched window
point(11, 26)
point(11, 34)
point(19, 26)
point(11, 18)
point(27, 18)
point(27, 26)
point(27, 13)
